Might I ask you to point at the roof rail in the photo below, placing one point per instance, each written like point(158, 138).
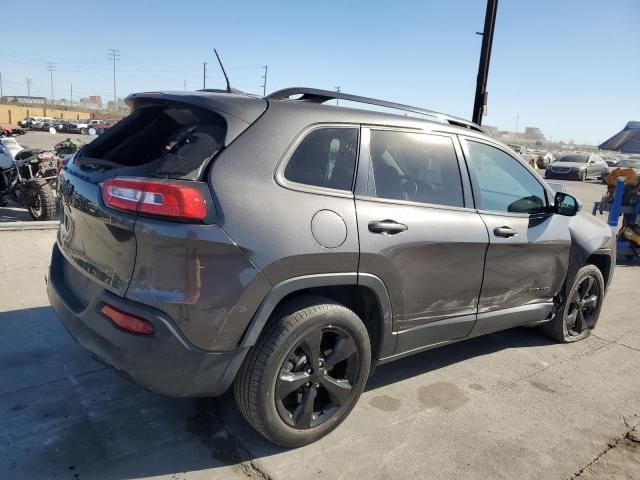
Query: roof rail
point(315, 95)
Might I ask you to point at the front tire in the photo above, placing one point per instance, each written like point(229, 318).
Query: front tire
point(578, 316)
point(583, 176)
point(42, 204)
point(306, 373)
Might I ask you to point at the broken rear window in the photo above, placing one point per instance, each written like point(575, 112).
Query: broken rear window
point(169, 140)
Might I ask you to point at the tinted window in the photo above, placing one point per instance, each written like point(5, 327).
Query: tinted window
point(415, 167)
point(505, 185)
point(326, 157)
point(629, 163)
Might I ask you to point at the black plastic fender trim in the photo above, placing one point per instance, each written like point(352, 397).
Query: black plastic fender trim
point(281, 290)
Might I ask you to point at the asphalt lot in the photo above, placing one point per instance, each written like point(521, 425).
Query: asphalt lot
point(508, 405)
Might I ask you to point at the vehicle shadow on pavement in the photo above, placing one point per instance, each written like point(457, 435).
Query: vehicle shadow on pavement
point(441, 357)
point(14, 213)
point(63, 413)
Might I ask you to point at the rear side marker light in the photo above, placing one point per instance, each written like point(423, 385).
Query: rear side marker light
point(126, 321)
point(155, 197)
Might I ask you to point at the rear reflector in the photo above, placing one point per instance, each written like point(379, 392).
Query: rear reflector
point(155, 197)
point(126, 321)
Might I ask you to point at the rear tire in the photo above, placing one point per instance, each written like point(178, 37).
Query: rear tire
point(293, 393)
point(578, 316)
point(43, 202)
point(83, 131)
point(583, 176)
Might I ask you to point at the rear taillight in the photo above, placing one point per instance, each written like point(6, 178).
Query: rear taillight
point(126, 321)
point(155, 197)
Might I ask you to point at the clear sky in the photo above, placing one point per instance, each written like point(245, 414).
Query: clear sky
point(571, 67)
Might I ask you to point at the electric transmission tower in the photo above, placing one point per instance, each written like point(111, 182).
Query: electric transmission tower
point(114, 55)
point(51, 67)
point(264, 78)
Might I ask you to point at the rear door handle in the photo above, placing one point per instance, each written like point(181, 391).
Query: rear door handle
point(387, 226)
point(506, 232)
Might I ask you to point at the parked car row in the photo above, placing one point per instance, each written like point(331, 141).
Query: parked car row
point(65, 125)
point(631, 162)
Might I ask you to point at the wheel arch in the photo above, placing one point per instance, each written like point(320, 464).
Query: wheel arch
point(365, 294)
point(603, 261)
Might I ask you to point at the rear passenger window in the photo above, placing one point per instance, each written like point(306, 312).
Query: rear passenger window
point(326, 157)
point(415, 167)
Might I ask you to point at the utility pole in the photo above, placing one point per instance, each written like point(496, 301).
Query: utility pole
point(338, 96)
point(52, 68)
point(71, 94)
point(1, 94)
point(264, 78)
point(204, 75)
point(184, 85)
point(517, 122)
point(480, 103)
point(29, 83)
point(114, 55)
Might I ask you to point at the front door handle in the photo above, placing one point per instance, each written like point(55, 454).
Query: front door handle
point(387, 226)
point(506, 232)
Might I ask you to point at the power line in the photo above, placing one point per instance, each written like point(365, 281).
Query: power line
point(51, 67)
point(264, 83)
point(114, 55)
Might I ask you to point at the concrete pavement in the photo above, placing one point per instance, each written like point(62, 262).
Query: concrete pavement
point(509, 405)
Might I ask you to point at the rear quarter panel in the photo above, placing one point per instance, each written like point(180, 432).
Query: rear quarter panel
point(199, 277)
point(270, 223)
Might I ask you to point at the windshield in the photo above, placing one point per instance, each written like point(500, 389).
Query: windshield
point(574, 158)
point(629, 163)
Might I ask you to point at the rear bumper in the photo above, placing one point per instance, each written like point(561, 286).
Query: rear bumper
point(164, 362)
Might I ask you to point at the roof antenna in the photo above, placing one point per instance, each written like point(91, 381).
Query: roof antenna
point(230, 89)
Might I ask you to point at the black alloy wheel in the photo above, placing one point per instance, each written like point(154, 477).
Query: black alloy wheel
point(577, 313)
point(306, 373)
point(316, 379)
point(583, 305)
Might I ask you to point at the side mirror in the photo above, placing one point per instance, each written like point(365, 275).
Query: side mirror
point(52, 130)
point(565, 204)
point(92, 132)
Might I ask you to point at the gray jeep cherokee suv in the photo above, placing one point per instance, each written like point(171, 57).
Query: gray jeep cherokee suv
point(287, 247)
